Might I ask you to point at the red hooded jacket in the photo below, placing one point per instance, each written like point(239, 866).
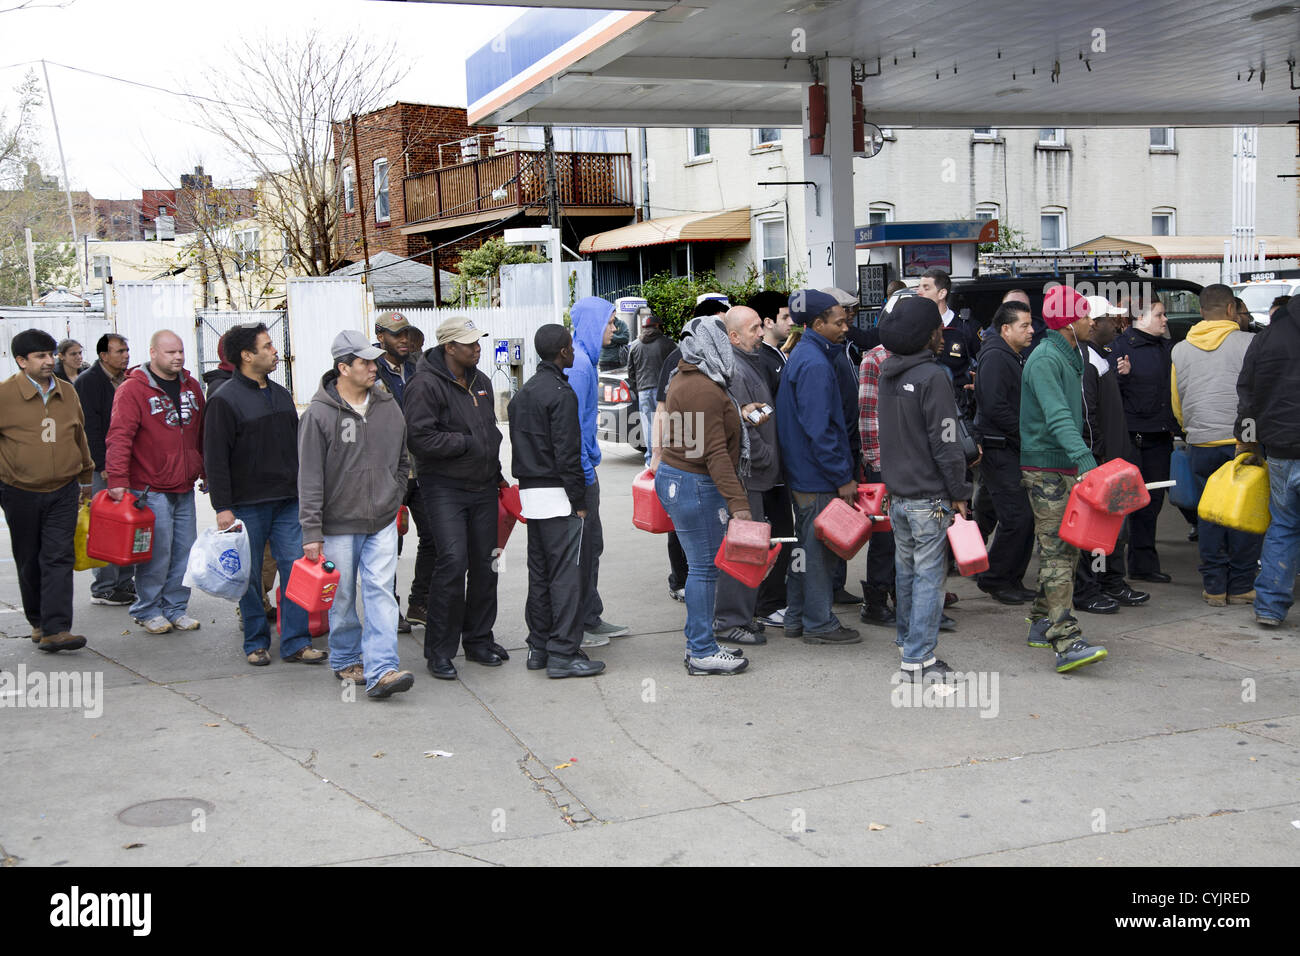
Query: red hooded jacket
point(149, 441)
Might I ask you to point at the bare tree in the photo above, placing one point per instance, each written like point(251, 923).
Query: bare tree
point(274, 105)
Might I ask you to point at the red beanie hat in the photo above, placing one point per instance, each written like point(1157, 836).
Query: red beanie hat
point(1063, 306)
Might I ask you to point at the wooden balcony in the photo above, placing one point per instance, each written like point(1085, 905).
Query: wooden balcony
point(589, 184)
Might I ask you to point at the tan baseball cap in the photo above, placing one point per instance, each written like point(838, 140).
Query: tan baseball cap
point(392, 322)
point(841, 297)
point(459, 329)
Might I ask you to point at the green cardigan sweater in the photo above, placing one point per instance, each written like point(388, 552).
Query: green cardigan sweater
point(1051, 408)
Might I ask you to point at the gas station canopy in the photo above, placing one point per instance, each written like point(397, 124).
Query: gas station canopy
point(941, 63)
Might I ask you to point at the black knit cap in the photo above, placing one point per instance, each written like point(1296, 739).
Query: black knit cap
point(32, 340)
point(550, 341)
point(907, 328)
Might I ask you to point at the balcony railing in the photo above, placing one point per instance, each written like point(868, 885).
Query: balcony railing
point(514, 179)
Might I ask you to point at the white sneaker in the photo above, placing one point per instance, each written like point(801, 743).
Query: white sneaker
point(594, 640)
point(775, 619)
point(155, 625)
point(719, 662)
point(185, 623)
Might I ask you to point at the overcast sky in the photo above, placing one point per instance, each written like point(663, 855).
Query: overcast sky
point(117, 136)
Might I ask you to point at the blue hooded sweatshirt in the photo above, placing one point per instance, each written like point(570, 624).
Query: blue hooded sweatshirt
point(590, 316)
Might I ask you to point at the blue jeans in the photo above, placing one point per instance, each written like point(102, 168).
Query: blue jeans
point(920, 566)
point(1276, 582)
point(158, 586)
point(699, 514)
point(1229, 558)
point(277, 522)
point(114, 577)
point(645, 401)
point(809, 592)
point(374, 557)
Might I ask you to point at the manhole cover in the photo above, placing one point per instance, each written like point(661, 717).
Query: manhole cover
point(168, 812)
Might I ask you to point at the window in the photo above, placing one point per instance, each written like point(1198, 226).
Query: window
point(772, 260)
point(766, 137)
point(1052, 228)
point(381, 190)
point(984, 132)
point(1051, 137)
point(880, 212)
point(103, 267)
point(286, 260)
point(986, 211)
point(246, 242)
point(698, 140)
point(1162, 138)
point(349, 189)
point(1162, 221)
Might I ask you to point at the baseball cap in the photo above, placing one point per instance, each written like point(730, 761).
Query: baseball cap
point(459, 329)
point(841, 297)
point(806, 304)
point(352, 342)
point(1063, 306)
point(392, 322)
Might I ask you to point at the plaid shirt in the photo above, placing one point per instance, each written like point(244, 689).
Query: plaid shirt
point(868, 396)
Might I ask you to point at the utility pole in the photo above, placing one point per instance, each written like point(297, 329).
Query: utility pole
point(31, 263)
point(67, 186)
point(361, 202)
point(552, 189)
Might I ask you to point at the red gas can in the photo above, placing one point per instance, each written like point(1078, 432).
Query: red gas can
point(509, 510)
point(312, 585)
point(121, 532)
point(746, 572)
point(747, 541)
point(1088, 527)
point(318, 622)
point(648, 512)
point(403, 520)
point(842, 528)
point(1115, 487)
point(967, 546)
point(873, 499)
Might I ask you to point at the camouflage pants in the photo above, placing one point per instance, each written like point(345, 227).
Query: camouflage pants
point(1048, 493)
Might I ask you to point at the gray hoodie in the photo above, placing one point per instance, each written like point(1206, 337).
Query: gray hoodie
point(920, 454)
point(351, 470)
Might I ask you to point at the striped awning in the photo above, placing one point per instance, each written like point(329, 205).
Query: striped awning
point(728, 225)
point(1187, 248)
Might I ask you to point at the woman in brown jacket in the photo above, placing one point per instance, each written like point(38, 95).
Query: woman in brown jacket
point(705, 452)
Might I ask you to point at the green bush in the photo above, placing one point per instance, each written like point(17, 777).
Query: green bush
point(672, 298)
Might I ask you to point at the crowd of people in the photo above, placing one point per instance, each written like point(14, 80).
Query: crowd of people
point(766, 411)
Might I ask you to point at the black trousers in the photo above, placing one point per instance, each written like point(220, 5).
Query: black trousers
point(879, 583)
point(554, 609)
point(1095, 575)
point(676, 563)
point(1013, 541)
point(734, 603)
point(779, 512)
point(593, 545)
point(426, 550)
point(1153, 462)
point(985, 513)
point(41, 530)
point(463, 597)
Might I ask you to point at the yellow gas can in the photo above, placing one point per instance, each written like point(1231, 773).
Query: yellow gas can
point(80, 560)
point(1236, 496)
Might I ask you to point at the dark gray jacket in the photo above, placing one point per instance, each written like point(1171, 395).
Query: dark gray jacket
point(351, 470)
point(646, 359)
point(920, 447)
point(749, 384)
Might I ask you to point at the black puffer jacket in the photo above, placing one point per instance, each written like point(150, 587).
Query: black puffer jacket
point(545, 436)
point(452, 430)
point(1148, 405)
point(997, 391)
point(1268, 389)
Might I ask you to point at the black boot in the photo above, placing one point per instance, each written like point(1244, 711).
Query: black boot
point(875, 606)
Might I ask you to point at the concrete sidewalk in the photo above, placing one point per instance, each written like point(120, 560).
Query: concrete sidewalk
point(1183, 748)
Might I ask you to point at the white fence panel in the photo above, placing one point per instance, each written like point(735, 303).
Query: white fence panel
point(84, 326)
point(146, 307)
point(518, 322)
point(529, 283)
point(319, 309)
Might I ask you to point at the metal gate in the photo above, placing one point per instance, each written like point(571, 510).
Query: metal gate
point(211, 324)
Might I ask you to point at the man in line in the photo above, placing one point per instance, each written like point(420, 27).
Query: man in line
point(155, 441)
point(1053, 457)
point(997, 395)
point(113, 584)
point(593, 328)
point(352, 445)
point(856, 344)
point(396, 368)
point(1268, 423)
point(774, 309)
point(250, 455)
point(452, 432)
point(814, 444)
point(45, 471)
point(925, 471)
point(613, 354)
point(1206, 366)
point(879, 583)
point(546, 459)
point(735, 605)
point(644, 361)
point(1151, 425)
